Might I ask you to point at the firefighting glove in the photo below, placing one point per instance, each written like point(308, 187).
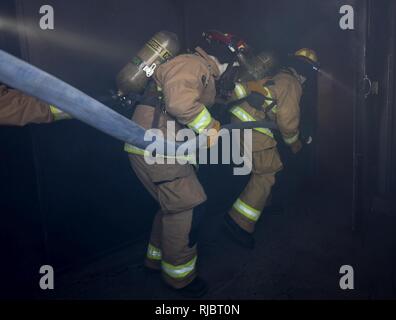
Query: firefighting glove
point(296, 146)
point(226, 84)
point(256, 100)
point(213, 134)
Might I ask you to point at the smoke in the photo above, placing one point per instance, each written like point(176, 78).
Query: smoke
point(327, 76)
point(80, 44)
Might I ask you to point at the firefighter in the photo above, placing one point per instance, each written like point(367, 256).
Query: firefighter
point(275, 98)
point(19, 109)
point(186, 85)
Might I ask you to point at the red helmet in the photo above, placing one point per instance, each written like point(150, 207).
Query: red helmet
point(233, 42)
point(224, 46)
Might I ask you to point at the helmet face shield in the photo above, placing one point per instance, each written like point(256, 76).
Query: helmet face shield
point(257, 67)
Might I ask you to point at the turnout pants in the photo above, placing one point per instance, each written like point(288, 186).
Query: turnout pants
point(172, 248)
point(266, 162)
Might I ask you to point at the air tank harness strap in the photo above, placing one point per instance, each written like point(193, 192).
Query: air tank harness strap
point(254, 105)
point(271, 103)
point(153, 97)
point(257, 101)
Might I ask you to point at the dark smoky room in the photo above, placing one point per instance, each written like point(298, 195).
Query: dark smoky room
point(266, 171)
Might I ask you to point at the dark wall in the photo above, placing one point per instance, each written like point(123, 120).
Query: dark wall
point(87, 199)
point(381, 105)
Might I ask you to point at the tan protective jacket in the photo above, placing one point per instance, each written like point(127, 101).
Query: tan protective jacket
point(18, 109)
point(188, 86)
point(286, 90)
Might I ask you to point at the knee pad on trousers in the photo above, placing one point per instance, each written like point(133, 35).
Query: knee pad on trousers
point(198, 215)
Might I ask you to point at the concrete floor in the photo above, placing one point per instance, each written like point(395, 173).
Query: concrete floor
point(298, 255)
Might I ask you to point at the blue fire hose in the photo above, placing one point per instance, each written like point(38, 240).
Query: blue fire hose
point(35, 82)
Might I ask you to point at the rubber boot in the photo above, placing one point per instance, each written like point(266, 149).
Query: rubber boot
point(240, 236)
point(196, 289)
point(152, 266)
point(151, 271)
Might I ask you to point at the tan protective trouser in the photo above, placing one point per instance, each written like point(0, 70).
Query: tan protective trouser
point(247, 210)
point(178, 191)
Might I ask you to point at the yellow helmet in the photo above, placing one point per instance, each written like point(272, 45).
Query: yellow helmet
point(308, 54)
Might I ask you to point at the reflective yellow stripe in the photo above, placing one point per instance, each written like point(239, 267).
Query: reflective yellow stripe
point(159, 49)
point(201, 122)
point(154, 253)
point(135, 150)
point(268, 95)
point(140, 152)
point(179, 272)
point(292, 139)
point(242, 115)
point(246, 210)
point(58, 114)
point(240, 91)
point(304, 53)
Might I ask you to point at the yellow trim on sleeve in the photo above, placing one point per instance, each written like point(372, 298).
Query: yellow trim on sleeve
point(201, 122)
point(292, 139)
point(58, 114)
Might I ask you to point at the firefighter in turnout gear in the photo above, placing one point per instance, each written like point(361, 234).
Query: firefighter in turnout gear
point(182, 92)
point(275, 98)
point(19, 109)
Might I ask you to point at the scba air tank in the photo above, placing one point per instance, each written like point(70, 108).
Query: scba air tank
point(134, 76)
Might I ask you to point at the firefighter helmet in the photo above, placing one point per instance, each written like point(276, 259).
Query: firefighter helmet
point(257, 67)
point(310, 56)
point(226, 47)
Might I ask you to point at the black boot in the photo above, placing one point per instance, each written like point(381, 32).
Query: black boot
point(242, 237)
point(151, 271)
point(196, 289)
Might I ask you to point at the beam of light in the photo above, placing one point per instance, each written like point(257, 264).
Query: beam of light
point(329, 77)
point(2, 23)
point(81, 44)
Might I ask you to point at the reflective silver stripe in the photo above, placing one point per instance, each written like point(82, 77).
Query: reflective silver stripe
point(154, 253)
point(179, 272)
point(242, 115)
point(246, 210)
